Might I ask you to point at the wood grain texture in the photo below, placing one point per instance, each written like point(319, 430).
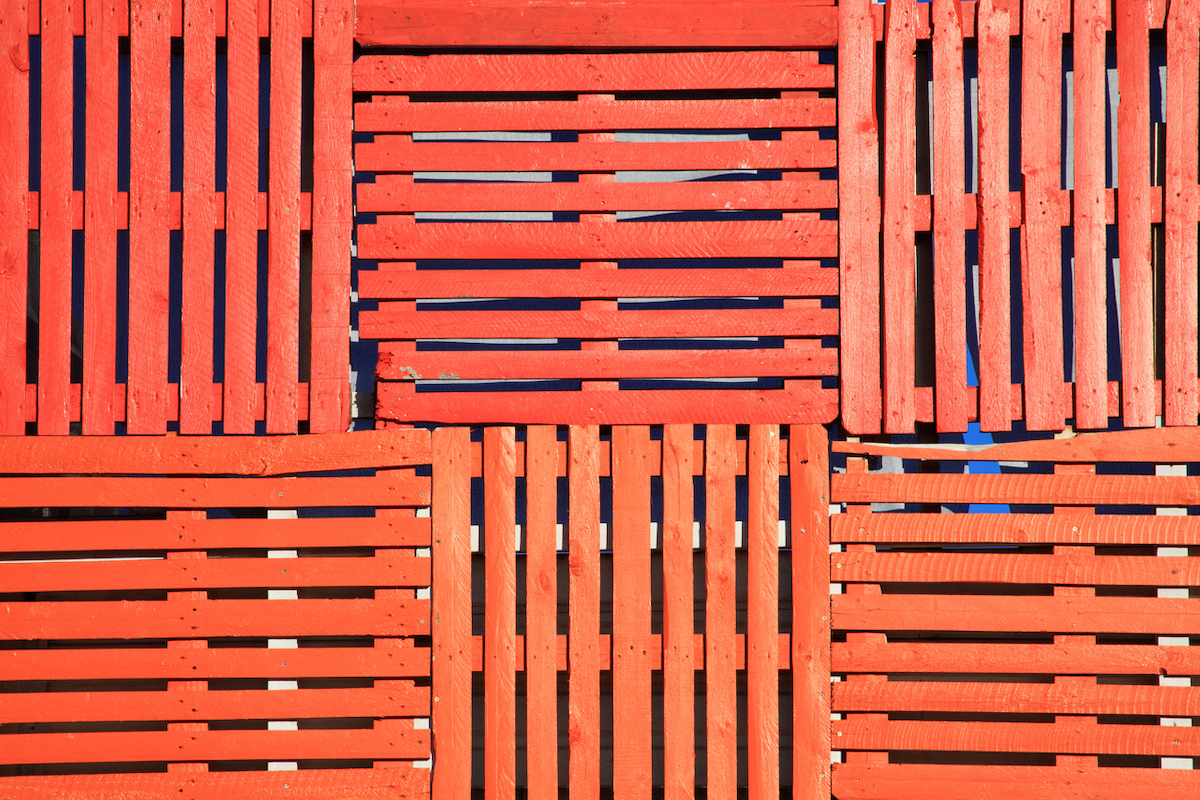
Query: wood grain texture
point(14, 237)
point(1060, 658)
point(610, 23)
point(858, 215)
point(678, 623)
point(720, 599)
point(451, 610)
point(1061, 490)
point(1020, 529)
point(762, 613)
point(500, 616)
point(541, 611)
point(583, 532)
point(592, 72)
point(1060, 570)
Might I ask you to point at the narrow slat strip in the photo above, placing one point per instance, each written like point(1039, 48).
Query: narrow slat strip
point(541, 611)
point(1054, 659)
point(678, 625)
point(500, 620)
point(1075, 490)
point(583, 531)
point(720, 612)
point(1060, 570)
point(14, 212)
point(1020, 529)
point(762, 613)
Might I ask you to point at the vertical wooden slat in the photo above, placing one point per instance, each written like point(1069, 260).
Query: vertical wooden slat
point(720, 609)
point(631, 610)
point(199, 141)
point(1041, 242)
point(149, 214)
point(762, 613)
point(583, 635)
point(451, 610)
point(332, 217)
point(500, 617)
point(995, 331)
point(100, 224)
point(283, 237)
point(54, 260)
point(1133, 213)
point(899, 179)
point(1091, 261)
point(808, 475)
point(858, 219)
point(241, 219)
point(1180, 399)
point(541, 611)
point(679, 624)
point(14, 211)
point(949, 245)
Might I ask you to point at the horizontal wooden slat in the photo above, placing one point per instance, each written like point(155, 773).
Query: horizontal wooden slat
point(401, 154)
point(802, 279)
point(1028, 698)
point(388, 113)
point(1072, 614)
point(607, 23)
point(398, 364)
point(401, 239)
point(386, 489)
point(1047, 659)
point(1069, 735)
point(387, 569)
point(1017, 529)
point(1063, 490)
point(591, 72)
point(389, 740)
point(1061, 570)
point(387, 659)
point(174, 211)
point(970, 782)
point(395, 321)
point(404, 700)
point(388, 781)
point(200, 455)
point(159, 619)
point(806, 403)
point(200, 534)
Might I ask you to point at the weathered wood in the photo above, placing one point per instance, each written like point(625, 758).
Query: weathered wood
point(720, 598)
point(500, 613)
point(583, 532)
point(14, 212)
point(762, 613)
point(678, 625)
point(1059, 570)
point(1020, 529)
point(1061, 490)
point(541, 611)
point(1060, 658)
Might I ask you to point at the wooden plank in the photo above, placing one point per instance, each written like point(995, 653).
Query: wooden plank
point(609, 23)
point(241, 218)
point(858, 215)
point(1133, 210)
point(100, 230)
point(391, 153)
point(1065, 614)
point(391, 322)
point(541, 611)
point(384, 490)
point(592, 72)
point(199, 218)
point(317, 784)
point(1020, 529)
point(451, 610)
point(14, 236)
point(170, 535)
point(149, 197)
point(283, 236)
point(949, 243)
point(720, 610)
point(333, 214)
point(1075, 490)
point(500, 621)
point(804, 403)
point(762, 613)
point(1060, 658)
point(157, 619)
point(583, 531)
point(899, 178)
point(405, 701)
point(1180, 398)
point(401, 239)
point(993, 211)
point(1060, 570)
point(55, 248)
point(804, 279)
point(678, 622)
point(1041, 237)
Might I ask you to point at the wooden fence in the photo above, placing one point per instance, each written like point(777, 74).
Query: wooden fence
point(142, 220)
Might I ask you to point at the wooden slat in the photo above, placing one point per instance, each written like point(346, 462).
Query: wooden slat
point(609, 23)
point(1020, 529)
point(858, 216)
point(592, 72)
point(500, 588)
point(1060, 658)
point(678, 624)
point(762, 613)
point(583, 531)
point(1076, 490)
point(720, 610)
point(451, 610)
point(149, 196)
point(1133, 210)
point(14, 236)
point(1060, 570)
point(541, 611)
point(403, 240)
